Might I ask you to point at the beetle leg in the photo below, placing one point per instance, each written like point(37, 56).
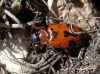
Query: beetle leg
point(62, 59)
point(41, 46)
point(66, 50)
point(34, 48)
point(34, 26)
point(33, 51)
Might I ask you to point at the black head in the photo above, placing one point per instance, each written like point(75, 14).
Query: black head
point(34, 38)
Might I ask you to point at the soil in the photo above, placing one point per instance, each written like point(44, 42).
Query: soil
point(82, 60)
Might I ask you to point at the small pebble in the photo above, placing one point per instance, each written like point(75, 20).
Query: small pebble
point(58, 72)
point(73, 71)
point(79, 63)
point(61, 69)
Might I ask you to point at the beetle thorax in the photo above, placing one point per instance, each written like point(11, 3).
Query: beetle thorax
point(43, 35)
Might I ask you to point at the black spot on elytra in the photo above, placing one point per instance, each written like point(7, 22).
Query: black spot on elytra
point(72, 43)
point(54, 34)
point(51, 29)
point(66, 34)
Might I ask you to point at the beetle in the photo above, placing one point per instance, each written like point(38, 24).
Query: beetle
point(57, 36)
